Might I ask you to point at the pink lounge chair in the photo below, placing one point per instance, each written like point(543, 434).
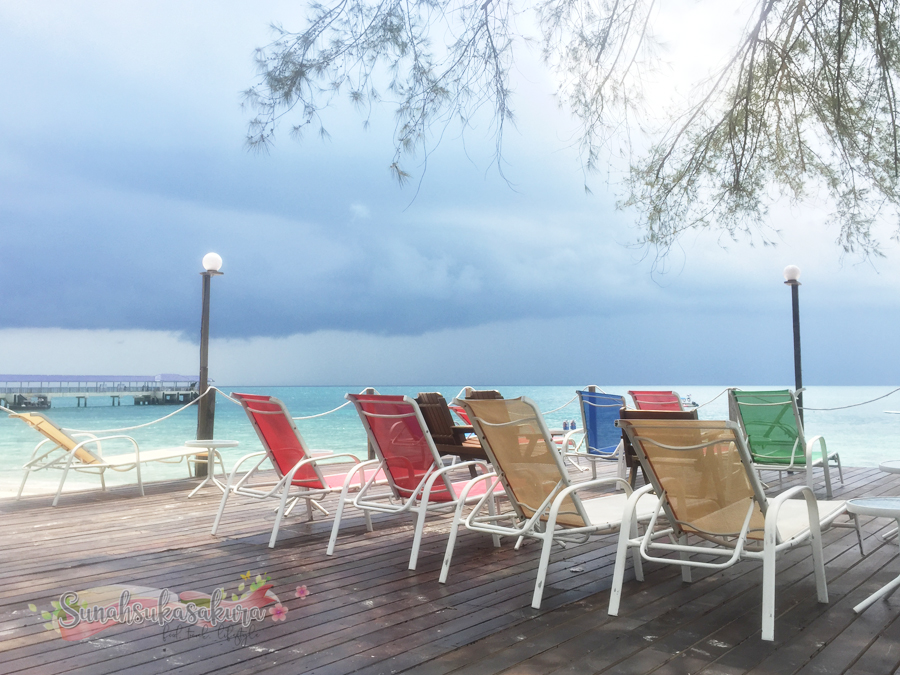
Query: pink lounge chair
point(297, 470)
point(419, 482)
point(656, 400)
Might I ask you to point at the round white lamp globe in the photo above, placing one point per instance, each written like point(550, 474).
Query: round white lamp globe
point(791, 273)
point(212, 262)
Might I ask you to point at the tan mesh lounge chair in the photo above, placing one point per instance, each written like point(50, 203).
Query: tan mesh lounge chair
point(60, 450)
point(709, 491)
point(545, 504)
point(772, 427)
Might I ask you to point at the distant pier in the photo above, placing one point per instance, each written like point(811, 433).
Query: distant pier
point(36, 392)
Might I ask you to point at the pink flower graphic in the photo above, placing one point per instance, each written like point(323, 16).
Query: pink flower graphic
point(302, 592)
point(278, 612)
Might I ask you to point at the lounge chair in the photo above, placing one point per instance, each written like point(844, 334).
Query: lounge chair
point(656, 400)
point(60, 450)
point(298, 471)
point(771, 424)
point(708, 490)
point(419, 482)
point(631, 458)
point(545, 504)
point(601, 440)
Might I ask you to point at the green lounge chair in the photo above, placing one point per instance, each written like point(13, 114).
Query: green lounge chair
point(772, 427)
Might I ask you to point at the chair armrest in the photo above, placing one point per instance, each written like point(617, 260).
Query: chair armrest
point(775, 504)
point(809, 449)
point(567, 438)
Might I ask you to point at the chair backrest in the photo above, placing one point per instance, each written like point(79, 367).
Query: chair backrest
point(599, 413)
point(626, 414)
point(656, 400)
point(705, 470)
point(771, 424)
point(483, 394)
point(438, 419)
point(519, 445)
point(48, 429)
point(280, 438)
point(400, 437)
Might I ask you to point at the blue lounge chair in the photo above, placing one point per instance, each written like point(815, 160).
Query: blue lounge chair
point(600, 440)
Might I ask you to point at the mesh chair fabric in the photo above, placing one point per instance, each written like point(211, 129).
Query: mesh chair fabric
point(280, 438)
point(526, 459)
point(656, 400)
point(599, 413)
point(770, 422)
point(699, 465)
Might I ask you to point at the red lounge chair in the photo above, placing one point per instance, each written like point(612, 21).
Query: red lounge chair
point(419, 481)
point(656, 400)
point(298, 471)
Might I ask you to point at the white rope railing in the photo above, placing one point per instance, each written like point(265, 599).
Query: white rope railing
point(700, 405)
point(856, 405)
point(152, 422)
point(564, 405)
point(312, 417)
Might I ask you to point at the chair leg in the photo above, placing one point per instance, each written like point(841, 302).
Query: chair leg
point(140, 482)
point(685, 570)
point(542, 569)
point(63, 480)
point(827, 479)
point(819, 565)
point(451, 543)
point(858, 534)
point(615, 591)
point(768, 599)
point(637, 563)
point(417, 537)
point(284, 498)
point(102, 480)
point(840, 468)
point(22, 485)
point(337, 523)
point(218, 519)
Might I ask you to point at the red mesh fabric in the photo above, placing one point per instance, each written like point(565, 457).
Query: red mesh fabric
point(656, 400)
point(279, 437)
point(402, 443)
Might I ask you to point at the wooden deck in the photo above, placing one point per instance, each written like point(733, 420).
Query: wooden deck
point(366, 613)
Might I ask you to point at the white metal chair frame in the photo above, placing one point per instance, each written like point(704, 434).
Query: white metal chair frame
point(417, 502)
point(542, 525)
point(808, 446)
point(772, 544)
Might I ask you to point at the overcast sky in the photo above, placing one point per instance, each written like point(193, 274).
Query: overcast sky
point(122, 163)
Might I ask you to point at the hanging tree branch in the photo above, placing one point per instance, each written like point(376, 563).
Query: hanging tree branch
point(807, 104)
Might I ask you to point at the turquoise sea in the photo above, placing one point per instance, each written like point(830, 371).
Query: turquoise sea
point(863, 435)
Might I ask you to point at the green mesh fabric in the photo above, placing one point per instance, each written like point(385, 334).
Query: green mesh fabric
point(770, 422)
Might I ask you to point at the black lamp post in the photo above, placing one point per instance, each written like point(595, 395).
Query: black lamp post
point(791, 278)
point(206, 409)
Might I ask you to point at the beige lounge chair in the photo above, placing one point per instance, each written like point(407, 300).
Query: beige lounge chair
point(546, 505)
point(708, 491)
point(60, 450)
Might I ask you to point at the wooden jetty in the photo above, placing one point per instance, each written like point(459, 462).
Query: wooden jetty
point(36, 392)
point(366, 613)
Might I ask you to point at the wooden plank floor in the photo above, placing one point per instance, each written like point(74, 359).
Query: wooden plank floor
point(366, 613)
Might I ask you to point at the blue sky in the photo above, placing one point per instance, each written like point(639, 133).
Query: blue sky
point(122, 163)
